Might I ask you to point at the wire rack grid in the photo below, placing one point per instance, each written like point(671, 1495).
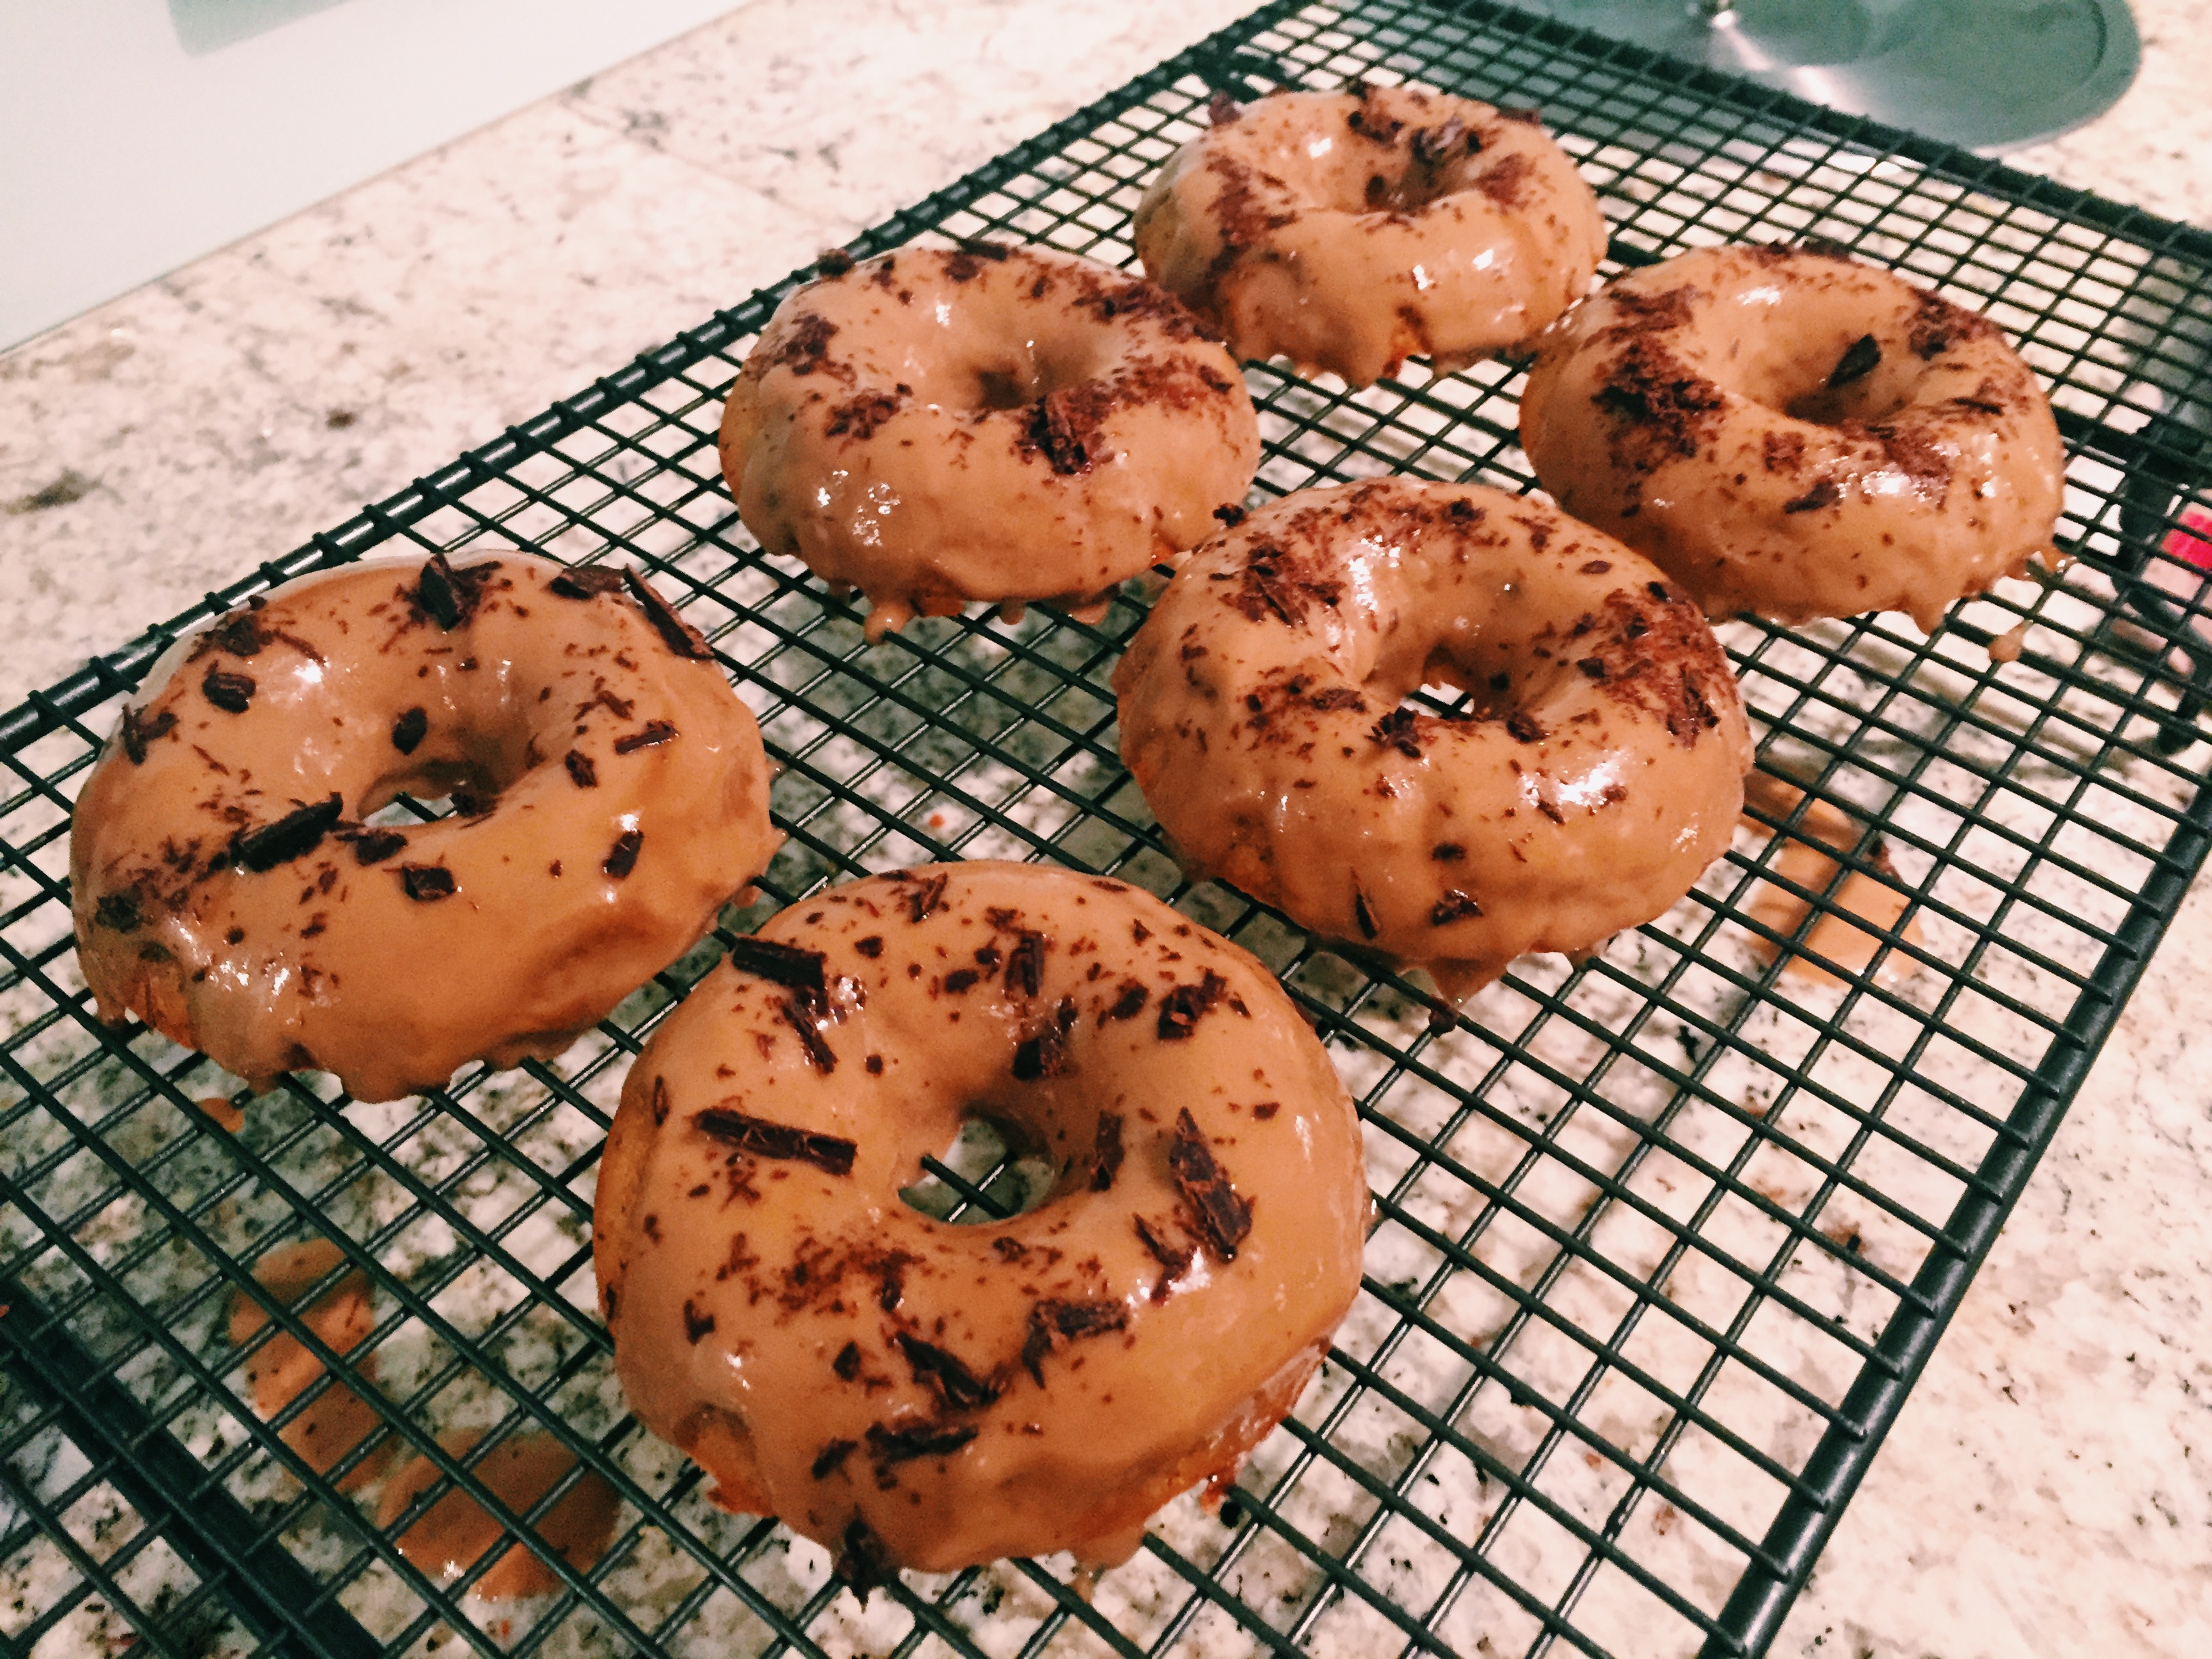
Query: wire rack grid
point(1663, 1238)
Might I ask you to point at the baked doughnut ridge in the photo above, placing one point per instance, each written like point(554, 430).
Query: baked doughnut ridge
point(1595, 771)
point(610, 793)
point(1790, 432)
point(917, 1393)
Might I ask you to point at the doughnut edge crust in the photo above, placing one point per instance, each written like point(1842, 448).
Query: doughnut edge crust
point(912, 1393)
point(1002, 424)
point(1351, 230)
point(226, 890)
point(1792, 433)
point(1598, 773)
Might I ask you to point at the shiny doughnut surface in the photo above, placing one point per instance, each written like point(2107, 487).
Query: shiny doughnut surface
point(1788, 432)
point(1597, 774)
point(916, 1393)
point(935, 427)
point(1349, 231)
point(611, 793)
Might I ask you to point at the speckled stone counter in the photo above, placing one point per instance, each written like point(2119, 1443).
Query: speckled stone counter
point(2048, 1490)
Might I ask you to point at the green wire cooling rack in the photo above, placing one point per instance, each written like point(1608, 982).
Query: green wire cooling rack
point(1663, 1239)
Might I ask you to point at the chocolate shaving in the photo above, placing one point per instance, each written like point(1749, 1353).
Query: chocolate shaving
point(863, 1562)
point(1223, 1217)
point(587, 581)
point(239, 633)
point(444, 594)
point(994, 251)
point(833, 261)
point(138, 732)
point(870, 947)
point(832, 1457)
point(1182, 1008)
point(656, 732)
point(1054, 1324)
point(961, 980)
point(1859, 359)
point(1434, 145)
point(925, 898)
point(1221, 109)
point(410, 729)
point(582, 771)
point(1058, 429)
point(831, 1154)
point(426, 882)
point(1174, 1262)
point(908, 1441)
point(1337, 696)
point(791, 966)
point(1025, 965)
point(675, 633)
point(119, 911)
point(798, 1014)
point(1364, 915)
point(695, 1324)
point(1106, 1152)
point(1454, 906)
point(1533, 117)
point(231, 692)
point(946, 1374)
point(1522, 727)
point(1825, 494)
point(1593, 666)
point(375, 846)
point(1395, 729)
point(1044, 1053)
point(295, 835)
point(1129, 1004)
point(622, 857)
point(847, 1365)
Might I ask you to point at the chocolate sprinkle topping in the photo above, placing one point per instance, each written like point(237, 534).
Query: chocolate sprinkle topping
point(231, 693)
point(908, 1441)
point(436, 592)
point(295, 835)
point(622, 857)
point(239, 633)
point(1454, 906)
point(138, 732)
point(375, 846)
point(582, 772)
point(870, 947)
point(1182, 1008)
point(656, 732)
point(1826, 493)
point(788, 965)
point(119, 911)
point(675, 633)
point(410, 729)
point(847, 1365)
point(1362, 914)
point(925, 898)
point(1173, 1262)
point(831, 1457)
point(798, 1014)
point(1044, 1053)
point(863, 1563)
point(1067, 441)
point(426, 882)
point(1129, 1004)
point(1221, 109)
point(695, 1324)
point(1395, 729)
point(1025, 965)
point(1231, 516)
point(833, 261)
point(587, 582)
point(1223, 1217)
point(831, 1154)
point(994, 251)
point(1859, 359)
point(1106, 1152)
point(1054, 1323)
point(1522, 727)
point(946, 1374)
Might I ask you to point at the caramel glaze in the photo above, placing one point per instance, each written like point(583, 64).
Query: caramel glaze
point(1598, 773)
point(936, 427)
point(454, 1533)
point(913, 1392)
point(613, 792)
point(282, 1369)
point(1349, 231)
point(1788, 432)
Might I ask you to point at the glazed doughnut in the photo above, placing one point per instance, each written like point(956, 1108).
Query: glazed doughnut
point(1597, 774)
point(1788, 432)
point(610, 793)
point(914, 1393)
point(1351, 230)
point(936, 426)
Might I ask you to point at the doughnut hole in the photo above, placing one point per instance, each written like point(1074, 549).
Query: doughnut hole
point(1834, 369)
point(996, 1171)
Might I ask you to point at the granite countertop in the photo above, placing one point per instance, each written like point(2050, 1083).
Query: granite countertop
point(2047, 1490)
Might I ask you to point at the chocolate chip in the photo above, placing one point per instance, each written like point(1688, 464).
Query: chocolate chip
point(1859, 359)
point(587, 582)
point(231, 692)
point(426, 882)
point(925, 897)
point(581, 770)
point(410, 729)
point(375, 846)
point(1183, 1007)
point(440, 594)
point(833, 261)
point(295, 835)
point(1043, 1053)
point(847, 1365)
point(675, 633)
point(1224, 1217)
point(138, 732)
point(870, 947)
point(1522, 725)
point(1231, 516)
point(1025, 965)
point(622, 857)
point(1129, 1004)
point(1396, 730)
point(1593, 666)
point(831, 1154)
